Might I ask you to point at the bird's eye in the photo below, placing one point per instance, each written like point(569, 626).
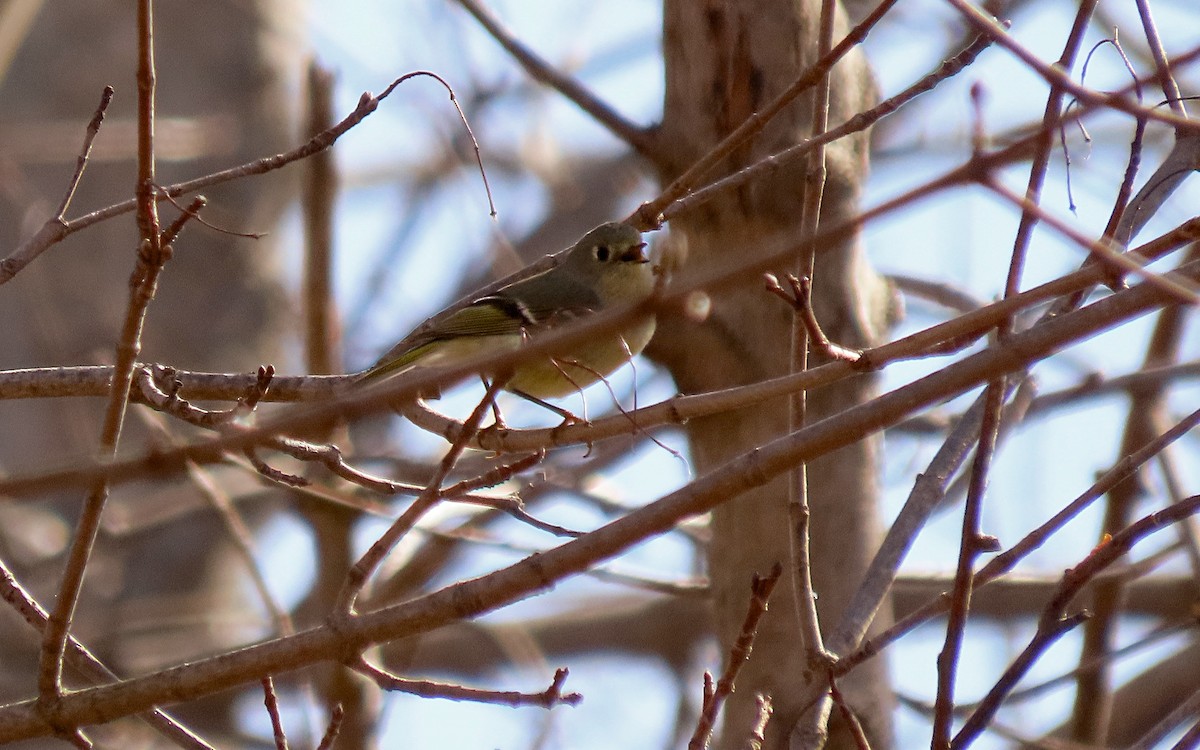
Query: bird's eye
point(602, 253)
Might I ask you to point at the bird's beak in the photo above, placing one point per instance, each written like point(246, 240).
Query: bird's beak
point(639, 253)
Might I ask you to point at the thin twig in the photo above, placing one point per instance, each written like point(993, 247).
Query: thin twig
point(1059, 78)
point(1054, 621)
point(152, 256)
point(548, 698)
point(799, 298)
point(1162, 67)
point(55, 228)
point(1132, 164)
point(1189, 534)
point(330, 456)
point(652, 213)
point(852, 723)
point(331, 730)
point(739, 653)
point(239, 532)
point(1186, 711)
point(971, 545)
point(540, 70)
point(804, 596)
point(859, 122)
point(1006, 561)
point(84, 661)
point(927, 494)
point(360, 572)
point(1102, 250)
point(271, 702)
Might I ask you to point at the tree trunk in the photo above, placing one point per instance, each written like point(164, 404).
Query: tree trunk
point(724, 61)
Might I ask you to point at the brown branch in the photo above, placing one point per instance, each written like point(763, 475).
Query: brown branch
point(1007, 560)
point(1186, 711)
point(56, 227)
point(639, 139)
point(152, 256)
point(56, 230)
point(927, 494)
point(854, 725)
point(1162, 68)
point(1058, 78)
point(859, 122)
point(972, 544)
point(473, 597)
point(805, 329)
point(739, 653)
point(81, 659)
point(650, 215)
point(271, 703)
point(331, 730)
point(548, 698)
point(1054, 621)
point(235, 526)
point(330, 456)
point(1132, 164)
point(360, 573)
point(799, 298)
point(1102, 251)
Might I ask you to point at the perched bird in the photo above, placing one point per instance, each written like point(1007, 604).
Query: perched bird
point(607, 267)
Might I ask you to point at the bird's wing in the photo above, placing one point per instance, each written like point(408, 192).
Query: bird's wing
point(547, 302)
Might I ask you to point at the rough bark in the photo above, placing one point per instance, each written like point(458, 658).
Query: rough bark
point(724, 61)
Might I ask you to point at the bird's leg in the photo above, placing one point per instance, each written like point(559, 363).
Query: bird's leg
point(498, 422)
point(568, 417)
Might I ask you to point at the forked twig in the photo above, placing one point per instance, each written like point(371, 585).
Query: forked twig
point(714, 696)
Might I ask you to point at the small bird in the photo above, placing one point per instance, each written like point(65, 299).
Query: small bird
point(609, 266)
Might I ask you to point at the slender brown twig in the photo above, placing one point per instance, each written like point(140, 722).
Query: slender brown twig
point(799, 298)
point(55, 228)
point(80, 658)
point(1007, 560)
point(715, 695)
point(548, 698)
point(859, 122)
point(854, 725)
point(1054, 621)
point(360, 572)
point(639, 139)
point(651, 213)
point(332, 729)
point(271, 703)
point(152, 256)
point(799, 514)
point(972, 544)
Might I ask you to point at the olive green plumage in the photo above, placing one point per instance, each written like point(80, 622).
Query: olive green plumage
point(608, 266)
